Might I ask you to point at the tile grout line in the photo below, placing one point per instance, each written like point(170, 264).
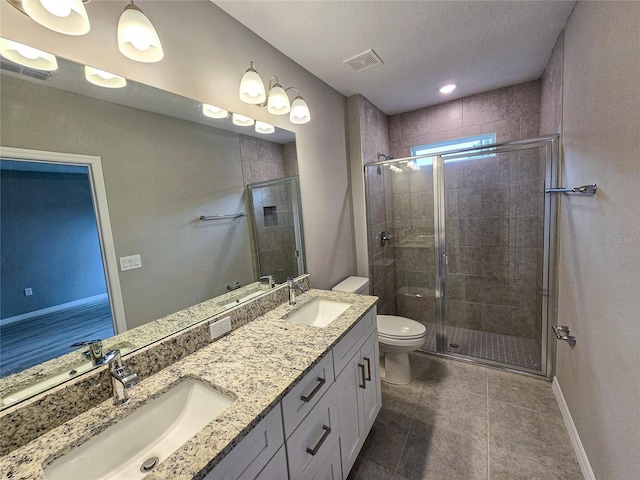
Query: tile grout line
point(404, 445)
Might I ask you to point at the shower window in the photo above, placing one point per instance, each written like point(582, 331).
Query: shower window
point(449, 145)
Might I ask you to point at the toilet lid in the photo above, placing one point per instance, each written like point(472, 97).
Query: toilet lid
point(392, 326)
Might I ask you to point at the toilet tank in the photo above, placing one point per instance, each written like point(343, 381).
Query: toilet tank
point(359, 285)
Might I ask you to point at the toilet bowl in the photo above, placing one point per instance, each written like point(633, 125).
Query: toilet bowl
point(397, 336)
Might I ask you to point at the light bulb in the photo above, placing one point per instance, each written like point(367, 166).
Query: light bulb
point(62, 16)
point(103, 79)
point(241, 120)
point(57, 7)
point(27, 56)
point(448, 88)
point(213, 112)
point(265, 128)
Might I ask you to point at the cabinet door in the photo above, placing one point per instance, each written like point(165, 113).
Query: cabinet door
point(311, 444)
point(253, 452)
point(372, 397)
point(350, 383)
point(276, 469)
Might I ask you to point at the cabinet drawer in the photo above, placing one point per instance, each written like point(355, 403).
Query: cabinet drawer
point(315, 439)
point(253, 452)
point(352, 341)
point(302, 398)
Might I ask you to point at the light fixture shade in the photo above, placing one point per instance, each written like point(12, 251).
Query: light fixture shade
point(241, 120)
point(251, 87)
point(137, 39)
point(27, 56)
point(213, 112)
point(62, 16)
point(103, 79)
point(265, 128)
point(299, 111)
point(278, 103)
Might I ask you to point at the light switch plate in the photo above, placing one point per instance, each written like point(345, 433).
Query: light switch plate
point(220, 327)
point(130, 262)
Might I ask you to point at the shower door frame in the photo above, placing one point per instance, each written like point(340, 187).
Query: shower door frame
point(548, 295)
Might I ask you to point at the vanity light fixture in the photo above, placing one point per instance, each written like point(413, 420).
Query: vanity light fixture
point(448, 88)
point(27, 56)
point(241, 120)
point(275, 98)
point(213, 112)
point(265, 128)
point(137, 38)
point(62, 16)
point(103, 79)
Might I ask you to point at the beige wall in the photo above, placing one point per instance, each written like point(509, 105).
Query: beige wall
point(599, 265)
point(160, 175)
point(206, 53)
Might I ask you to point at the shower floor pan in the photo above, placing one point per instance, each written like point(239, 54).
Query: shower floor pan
point(507, 349)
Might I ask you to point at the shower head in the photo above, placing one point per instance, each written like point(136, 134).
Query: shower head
point(386, 157)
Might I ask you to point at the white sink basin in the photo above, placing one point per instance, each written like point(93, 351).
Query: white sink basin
point(320, 312)
point(155, 430)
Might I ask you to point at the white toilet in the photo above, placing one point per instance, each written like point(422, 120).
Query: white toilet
point(397, 336)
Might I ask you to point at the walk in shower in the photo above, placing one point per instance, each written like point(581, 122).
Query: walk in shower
point(463, 243)
point(276, 225)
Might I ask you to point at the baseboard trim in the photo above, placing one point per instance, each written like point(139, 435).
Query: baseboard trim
point(573, 433)
point(54, 309)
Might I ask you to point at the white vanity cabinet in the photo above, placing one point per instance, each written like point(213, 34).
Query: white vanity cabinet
point(259, 455)
point(319, 427)
point(359, 396)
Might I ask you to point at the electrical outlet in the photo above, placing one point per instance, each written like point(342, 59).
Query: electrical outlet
point(220, 327)
point(28, 292)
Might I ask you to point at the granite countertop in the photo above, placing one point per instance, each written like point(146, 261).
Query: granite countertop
point(257, 364)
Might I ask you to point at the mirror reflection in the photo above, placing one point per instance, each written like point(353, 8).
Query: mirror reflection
point(164, 164)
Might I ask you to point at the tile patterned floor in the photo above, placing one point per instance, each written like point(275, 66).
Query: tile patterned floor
point(458, 421)
point(507, 349)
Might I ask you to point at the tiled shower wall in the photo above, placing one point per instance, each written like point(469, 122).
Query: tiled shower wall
point(492, 206)
point(375, 139)
point(261, 161)
point(494, 212)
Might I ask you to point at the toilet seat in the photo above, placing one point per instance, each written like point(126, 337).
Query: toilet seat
point(393, 327)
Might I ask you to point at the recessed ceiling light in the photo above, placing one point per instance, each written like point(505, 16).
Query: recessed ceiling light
point(448, 88)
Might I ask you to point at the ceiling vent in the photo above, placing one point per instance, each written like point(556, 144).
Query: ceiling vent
point(29, 72)
point(364, 61)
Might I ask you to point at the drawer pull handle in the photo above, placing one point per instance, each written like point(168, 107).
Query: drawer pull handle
point(314, 450)
point(363, 384)
point(307, 398)
point(368, 368)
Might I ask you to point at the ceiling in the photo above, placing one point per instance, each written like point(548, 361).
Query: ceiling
point(479, 45)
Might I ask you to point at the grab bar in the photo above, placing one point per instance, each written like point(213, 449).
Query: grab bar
point(220, 217)
point(584, 189)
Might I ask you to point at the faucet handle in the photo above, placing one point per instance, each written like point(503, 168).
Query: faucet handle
point(110, 357)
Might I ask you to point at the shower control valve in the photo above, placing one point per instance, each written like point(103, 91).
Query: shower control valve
point(562, 333)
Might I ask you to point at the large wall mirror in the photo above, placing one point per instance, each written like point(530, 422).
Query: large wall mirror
point(199, 209)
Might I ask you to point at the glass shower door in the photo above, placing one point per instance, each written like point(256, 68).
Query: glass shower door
point(494, 252)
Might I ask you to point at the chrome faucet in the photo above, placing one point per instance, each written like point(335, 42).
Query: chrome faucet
point(95, 350)
point(268, 280)
point(121, 377)
point(292, 290)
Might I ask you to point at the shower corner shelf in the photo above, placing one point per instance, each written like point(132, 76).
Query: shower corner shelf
point(416, 292)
